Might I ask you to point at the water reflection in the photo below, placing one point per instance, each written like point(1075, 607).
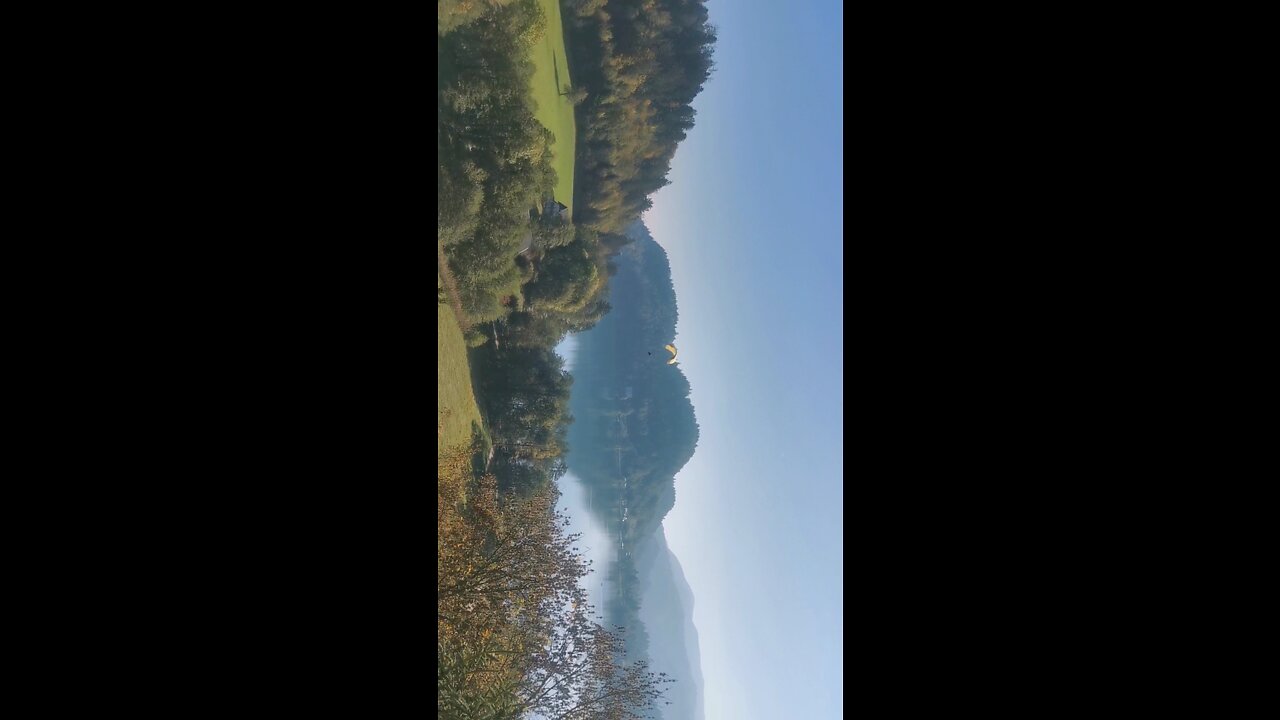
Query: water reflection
point(595, 542)
point(575, 500)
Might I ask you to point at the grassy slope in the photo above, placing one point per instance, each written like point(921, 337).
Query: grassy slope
point(453, 382)
point(555, 111)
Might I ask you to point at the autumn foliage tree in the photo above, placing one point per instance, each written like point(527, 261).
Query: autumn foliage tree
point(515, 635)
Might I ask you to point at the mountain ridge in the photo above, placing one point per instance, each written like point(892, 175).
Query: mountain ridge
point(634, 429)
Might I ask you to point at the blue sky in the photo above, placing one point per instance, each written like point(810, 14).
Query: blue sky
point(753, 222)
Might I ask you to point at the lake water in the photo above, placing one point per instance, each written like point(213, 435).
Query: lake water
point(574, 501)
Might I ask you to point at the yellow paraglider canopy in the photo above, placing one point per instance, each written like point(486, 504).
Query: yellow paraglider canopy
point(671, 349)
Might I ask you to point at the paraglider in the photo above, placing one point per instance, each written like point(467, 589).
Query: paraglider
point(671, 349)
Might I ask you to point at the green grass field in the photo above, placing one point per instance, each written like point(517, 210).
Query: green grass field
point(555, 112)
point(453, 382)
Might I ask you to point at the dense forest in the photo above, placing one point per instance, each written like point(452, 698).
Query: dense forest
point(641, 63)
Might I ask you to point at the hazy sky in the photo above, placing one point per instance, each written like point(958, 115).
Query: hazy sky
point(753, 222)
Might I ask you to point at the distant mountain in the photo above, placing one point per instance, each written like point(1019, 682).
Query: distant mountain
point(634, 428)
point(666, 609)
point(634, 425)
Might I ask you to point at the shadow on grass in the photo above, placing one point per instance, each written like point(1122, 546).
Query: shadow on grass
point(481, 449)
point(555, 68)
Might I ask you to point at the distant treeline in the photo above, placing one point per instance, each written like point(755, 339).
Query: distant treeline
point(641, 63)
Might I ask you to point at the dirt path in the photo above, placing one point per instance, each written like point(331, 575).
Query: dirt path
point(450, 287)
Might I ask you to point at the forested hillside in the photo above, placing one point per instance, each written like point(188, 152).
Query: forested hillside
point(666, 607)
point(641, 63)
point(635, 425)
